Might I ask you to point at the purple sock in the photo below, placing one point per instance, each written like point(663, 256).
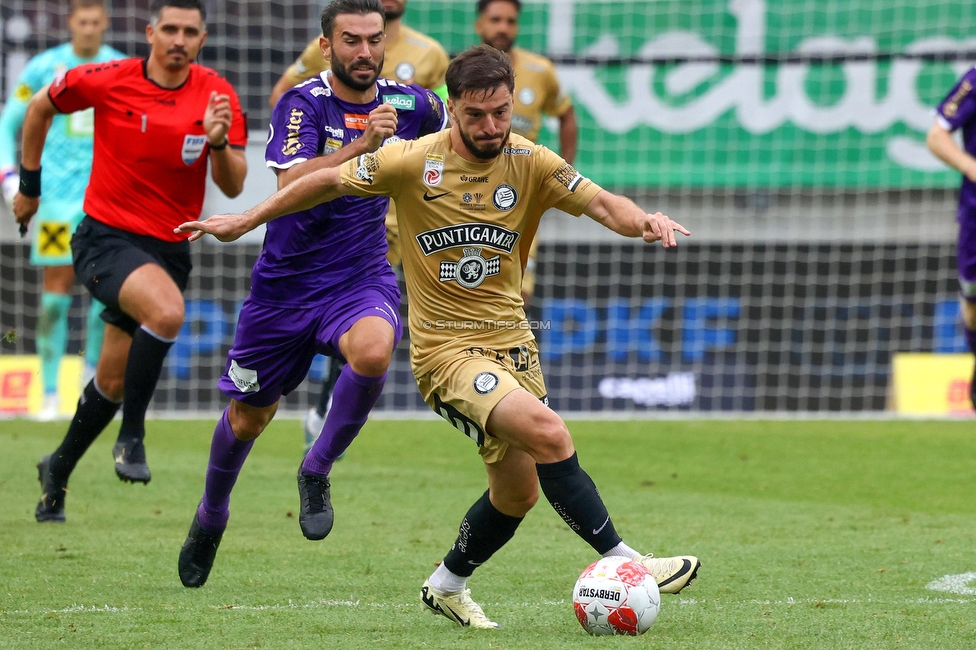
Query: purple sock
point(970, 338)
point(353, 397)
point(227, 456)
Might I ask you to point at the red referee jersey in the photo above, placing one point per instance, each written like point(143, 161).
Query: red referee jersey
point(149, 169)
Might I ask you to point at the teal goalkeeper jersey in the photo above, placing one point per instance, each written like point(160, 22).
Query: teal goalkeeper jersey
point(67, 158)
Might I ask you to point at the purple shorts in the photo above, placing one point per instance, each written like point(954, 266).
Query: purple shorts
point(274, 346)
point(966, 259)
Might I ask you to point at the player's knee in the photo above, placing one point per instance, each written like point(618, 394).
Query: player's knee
point(111, 387)
point(516, 503)
point(248, 424)
point(167, 319)
point(551, 441)
point(371, 361)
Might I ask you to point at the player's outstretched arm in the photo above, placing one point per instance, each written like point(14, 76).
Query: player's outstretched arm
point(307, 192)
point(623, 216)
point(940, 143)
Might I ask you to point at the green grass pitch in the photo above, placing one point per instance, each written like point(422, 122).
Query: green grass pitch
point(812, 534)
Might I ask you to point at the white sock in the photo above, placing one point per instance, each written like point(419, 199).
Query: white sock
point(442, 579)
point(622, 550)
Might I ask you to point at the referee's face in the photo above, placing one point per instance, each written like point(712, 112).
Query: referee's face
point(177, 37)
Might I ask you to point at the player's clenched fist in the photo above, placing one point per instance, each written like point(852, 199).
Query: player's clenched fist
point(381, 124)
point(217, 118)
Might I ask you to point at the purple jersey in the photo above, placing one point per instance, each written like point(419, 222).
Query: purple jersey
point(309, 254)
point(958, 110)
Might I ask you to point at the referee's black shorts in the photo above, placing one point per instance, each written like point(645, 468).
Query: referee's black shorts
point(105, 256)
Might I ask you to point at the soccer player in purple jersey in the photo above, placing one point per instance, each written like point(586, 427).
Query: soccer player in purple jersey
point(322, 283)
point(958, 110)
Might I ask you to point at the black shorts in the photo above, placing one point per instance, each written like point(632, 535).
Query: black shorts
point(105, 256)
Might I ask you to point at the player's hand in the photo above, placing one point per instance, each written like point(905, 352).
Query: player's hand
point(217, 118)
point(225, 227)
point(381, 124)
point(11, 185)
point(24, 208)
point(661, 227)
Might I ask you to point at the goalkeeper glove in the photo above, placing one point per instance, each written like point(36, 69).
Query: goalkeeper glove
point(10, 180)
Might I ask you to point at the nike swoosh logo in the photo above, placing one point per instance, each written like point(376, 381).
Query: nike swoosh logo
point(596, 531)
point(428, 197)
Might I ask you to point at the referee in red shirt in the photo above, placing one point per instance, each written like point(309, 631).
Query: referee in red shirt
point(158, 122)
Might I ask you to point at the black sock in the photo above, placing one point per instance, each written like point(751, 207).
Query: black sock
point(483, 531)
point(146, 356)
point(328, 384)
point(574, 497)
point(93, 414)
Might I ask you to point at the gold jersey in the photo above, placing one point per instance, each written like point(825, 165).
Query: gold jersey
point(537, 93)
point(465, 232)
point(413, 58)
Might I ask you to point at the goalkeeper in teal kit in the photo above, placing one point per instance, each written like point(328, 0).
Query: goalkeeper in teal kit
point(66, 166)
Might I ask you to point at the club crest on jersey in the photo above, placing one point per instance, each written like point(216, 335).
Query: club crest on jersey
point(504, 197)
point(471, 270)
point(485, 382)
point(433, 169)
point(404, 71)
point(192, 148)
point(526, 96)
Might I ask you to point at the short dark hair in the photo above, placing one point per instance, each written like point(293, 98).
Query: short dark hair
point(156, 8)
point(483, 4)
point(75, 5)
point(481, 68)
point(342, 7)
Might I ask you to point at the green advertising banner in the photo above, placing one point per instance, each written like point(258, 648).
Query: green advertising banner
point(750, 101)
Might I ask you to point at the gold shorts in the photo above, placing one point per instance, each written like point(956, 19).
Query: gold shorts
point(468, 385)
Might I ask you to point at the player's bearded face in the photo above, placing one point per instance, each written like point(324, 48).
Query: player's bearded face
point(359, 74)
point(484, 121)
point(394, 8)
point(498, 25)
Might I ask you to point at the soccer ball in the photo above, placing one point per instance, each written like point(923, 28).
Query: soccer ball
point(615, 595)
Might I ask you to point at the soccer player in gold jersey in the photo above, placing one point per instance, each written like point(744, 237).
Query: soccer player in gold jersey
point(469, 200)
point(537, 93)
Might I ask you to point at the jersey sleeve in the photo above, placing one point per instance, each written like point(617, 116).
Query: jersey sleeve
point(237, 134)
point(959, 106)
point(12, 117)
point(81, 87)
point(439, 63)
point(295, 132)
point(308, 64)
point(556, 101)
point(436, 117)
point(562, 186)
point(375, 174)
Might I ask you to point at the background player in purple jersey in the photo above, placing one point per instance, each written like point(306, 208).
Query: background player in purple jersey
point(322, 283)
point(958, 110)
